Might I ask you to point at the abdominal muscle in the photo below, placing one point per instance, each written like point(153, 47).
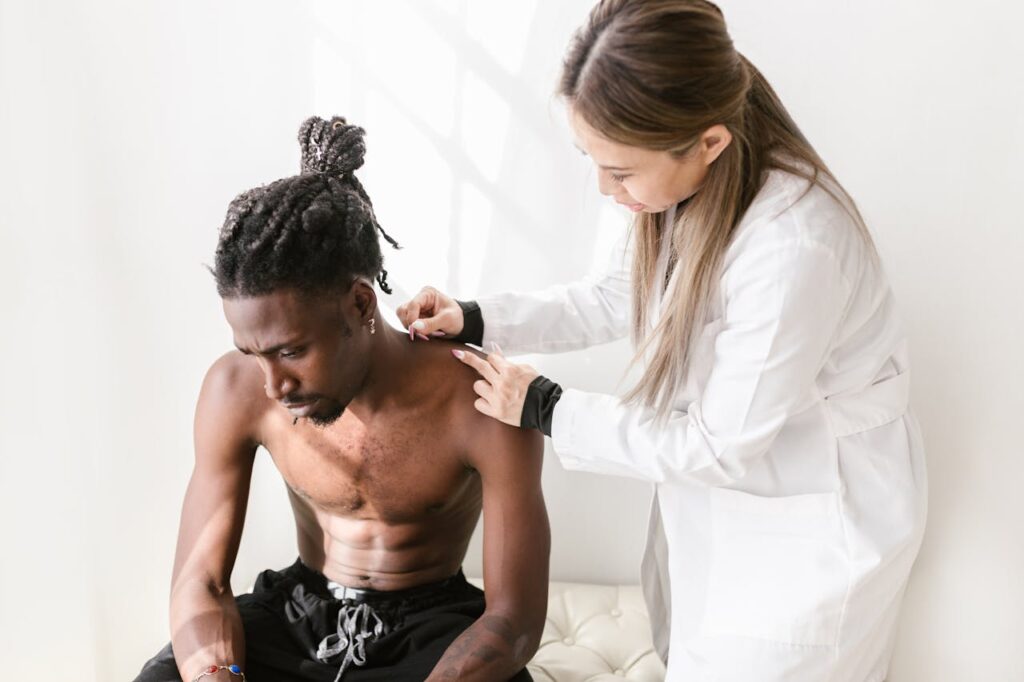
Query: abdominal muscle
point(370, 550)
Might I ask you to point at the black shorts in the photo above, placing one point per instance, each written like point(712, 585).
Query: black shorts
point(297, 631)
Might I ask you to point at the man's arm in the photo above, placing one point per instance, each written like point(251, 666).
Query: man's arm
point(206, 628)
point(517, 543)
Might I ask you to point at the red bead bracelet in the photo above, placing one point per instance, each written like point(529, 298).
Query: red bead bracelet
point(214, 669)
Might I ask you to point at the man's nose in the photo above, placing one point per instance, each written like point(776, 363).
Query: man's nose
point(278, 383)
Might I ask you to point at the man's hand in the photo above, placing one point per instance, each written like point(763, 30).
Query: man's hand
point(431, 314)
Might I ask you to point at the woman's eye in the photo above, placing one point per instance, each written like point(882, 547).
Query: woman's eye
point(619, 178)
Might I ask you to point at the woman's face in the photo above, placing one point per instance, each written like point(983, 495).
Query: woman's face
point(644, 179)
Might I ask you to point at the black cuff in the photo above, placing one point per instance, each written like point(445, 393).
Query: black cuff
point(472, 324)
point(539, 406)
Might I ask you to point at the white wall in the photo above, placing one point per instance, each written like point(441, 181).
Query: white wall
point(125, 128)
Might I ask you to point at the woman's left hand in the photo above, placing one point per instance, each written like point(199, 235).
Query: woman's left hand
point(503, 388)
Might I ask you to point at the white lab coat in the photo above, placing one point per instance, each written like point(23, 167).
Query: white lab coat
point(790, 487)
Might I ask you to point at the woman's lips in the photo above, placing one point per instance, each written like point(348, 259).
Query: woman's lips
point(632, 207)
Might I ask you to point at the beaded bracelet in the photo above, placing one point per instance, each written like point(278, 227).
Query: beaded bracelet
point(214, 669)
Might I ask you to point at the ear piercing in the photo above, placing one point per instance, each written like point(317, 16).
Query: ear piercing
point(373, 325)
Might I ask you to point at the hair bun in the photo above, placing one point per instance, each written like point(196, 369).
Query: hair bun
point(333, 147)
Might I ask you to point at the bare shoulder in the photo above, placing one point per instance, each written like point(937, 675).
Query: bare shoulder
point(232, 402)
point(488, 444)
point(503, 452)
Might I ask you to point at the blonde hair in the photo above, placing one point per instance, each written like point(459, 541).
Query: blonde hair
point(657, 74)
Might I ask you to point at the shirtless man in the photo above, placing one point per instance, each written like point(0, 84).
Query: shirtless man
point(387, 465)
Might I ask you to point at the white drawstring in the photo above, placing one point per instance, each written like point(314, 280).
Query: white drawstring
point(356, 623)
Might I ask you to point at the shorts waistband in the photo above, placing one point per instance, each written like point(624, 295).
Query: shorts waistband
point(323, 585)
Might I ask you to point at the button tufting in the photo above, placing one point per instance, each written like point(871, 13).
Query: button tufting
point(599, 614)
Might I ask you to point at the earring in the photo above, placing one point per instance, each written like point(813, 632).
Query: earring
point(373, 326)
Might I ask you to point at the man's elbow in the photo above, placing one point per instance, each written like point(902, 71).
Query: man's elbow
point(187, 588)
point(519, 631)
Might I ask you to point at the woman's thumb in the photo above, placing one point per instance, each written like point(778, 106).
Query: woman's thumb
point(427, 326)
point(408, 312)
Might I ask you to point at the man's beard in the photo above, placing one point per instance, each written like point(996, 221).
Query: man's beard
point(328, 416)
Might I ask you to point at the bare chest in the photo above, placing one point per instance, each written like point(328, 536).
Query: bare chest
point(396, 472)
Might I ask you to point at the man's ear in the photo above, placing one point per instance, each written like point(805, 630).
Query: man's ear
point(713, 142)
point(365, 299)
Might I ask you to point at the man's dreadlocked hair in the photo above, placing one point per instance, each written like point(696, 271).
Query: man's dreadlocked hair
point(314, 232)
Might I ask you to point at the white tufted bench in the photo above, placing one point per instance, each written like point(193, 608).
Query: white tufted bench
point(595, 633)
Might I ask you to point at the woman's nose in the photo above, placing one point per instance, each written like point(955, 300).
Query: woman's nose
point(605, 185)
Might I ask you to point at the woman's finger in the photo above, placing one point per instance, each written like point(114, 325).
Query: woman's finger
point(484, 407)
point(496, 358)
point(422, 304)
point(483, 389)
point(429, 327)
point(407, 312)
point(481, 366)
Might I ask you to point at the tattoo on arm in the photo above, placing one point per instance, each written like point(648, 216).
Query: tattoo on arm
point(501, 626)
point(468, 646)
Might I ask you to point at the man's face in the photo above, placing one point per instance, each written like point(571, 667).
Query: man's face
point(313, 350)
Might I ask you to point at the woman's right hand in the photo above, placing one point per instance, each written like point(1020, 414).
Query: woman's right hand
point(431, 314)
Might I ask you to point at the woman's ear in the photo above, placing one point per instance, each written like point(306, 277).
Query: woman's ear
point(713, 142)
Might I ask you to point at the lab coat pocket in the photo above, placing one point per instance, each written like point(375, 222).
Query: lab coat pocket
point(779, 569)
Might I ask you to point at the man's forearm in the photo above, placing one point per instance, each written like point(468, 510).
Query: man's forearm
point(206, 629)
point(493, 648)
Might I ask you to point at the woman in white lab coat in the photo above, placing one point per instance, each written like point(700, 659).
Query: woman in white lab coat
point(771, 415)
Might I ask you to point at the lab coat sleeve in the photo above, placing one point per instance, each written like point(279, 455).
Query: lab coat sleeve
point(783, 304)
point(591, 311)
